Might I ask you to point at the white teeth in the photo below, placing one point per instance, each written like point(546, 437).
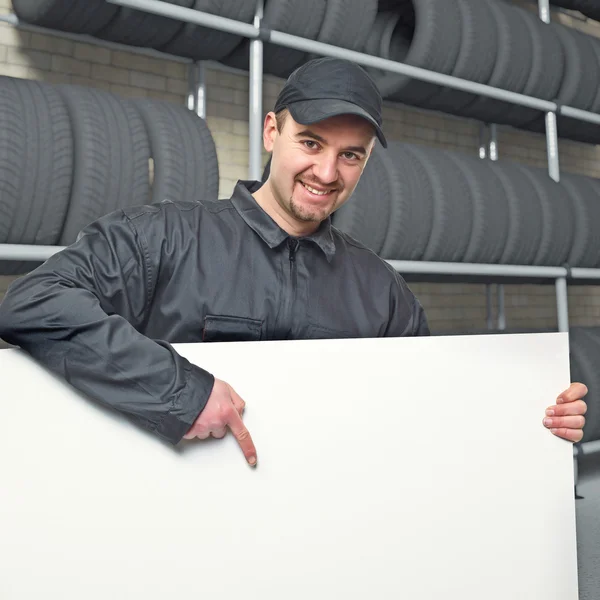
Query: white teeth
point(317, 192)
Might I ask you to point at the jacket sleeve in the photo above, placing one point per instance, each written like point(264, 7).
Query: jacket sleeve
point(407, 317)
point(78, 315)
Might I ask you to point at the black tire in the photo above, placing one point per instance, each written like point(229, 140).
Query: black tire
point(490, 210)
point(590, 191)
point(525, 214)
point(139, 28)
point(579, 84)
point(557, 218)
point(453, 206)
point(347, 23)
point(383, 25)
point(587, 92)
point(585, 205)
point(547, 69)
point(579, 130)
point(36, 179)
point(111, 157)
point(296, 17)
point(512, 67)
point(476, 57)
point(75, 16)
point(366, 215)
point(203, 43)
point(391, 5)
point(581, 78)
point(590, 133)
point(13, 149)
point(183, 150)
point(411, 210)
point(432, 43)
point(584, 345)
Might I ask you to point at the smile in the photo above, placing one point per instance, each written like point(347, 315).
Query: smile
point(316, 192)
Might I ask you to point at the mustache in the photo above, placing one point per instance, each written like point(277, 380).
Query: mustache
point(314, 183)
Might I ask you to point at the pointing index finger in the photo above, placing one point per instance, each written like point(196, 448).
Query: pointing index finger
point(243, 437)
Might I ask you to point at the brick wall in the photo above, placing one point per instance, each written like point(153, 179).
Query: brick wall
point(449, 306)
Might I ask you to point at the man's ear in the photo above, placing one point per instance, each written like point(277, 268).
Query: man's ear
point(270, 131)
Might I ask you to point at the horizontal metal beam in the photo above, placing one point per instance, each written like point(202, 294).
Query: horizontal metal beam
point(27, 252)
point(291, 41)
point(33, 252)
point(580, 273)
point(581, 115)
point(441, 268)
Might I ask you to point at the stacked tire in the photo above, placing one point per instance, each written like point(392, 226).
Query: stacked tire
point(494, 43)
point(344, 23)
point(71, 154)
point(419, 203)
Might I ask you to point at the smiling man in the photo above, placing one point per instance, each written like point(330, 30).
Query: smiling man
point(265, 264)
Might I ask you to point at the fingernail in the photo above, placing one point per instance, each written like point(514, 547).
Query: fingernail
point(550, 412)
point(547, 422)
point(559, 400)
point(252, 461)
point(554, 430)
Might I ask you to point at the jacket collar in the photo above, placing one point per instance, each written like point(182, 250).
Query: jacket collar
point(258, 220)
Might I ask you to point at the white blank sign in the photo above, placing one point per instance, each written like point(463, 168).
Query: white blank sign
point(388, 469)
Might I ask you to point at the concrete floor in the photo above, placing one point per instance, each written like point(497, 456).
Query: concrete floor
point(588, 527)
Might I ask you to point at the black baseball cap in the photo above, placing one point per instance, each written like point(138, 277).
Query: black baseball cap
point(327, 87)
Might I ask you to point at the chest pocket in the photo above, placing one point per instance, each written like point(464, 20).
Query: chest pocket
point(225, 328)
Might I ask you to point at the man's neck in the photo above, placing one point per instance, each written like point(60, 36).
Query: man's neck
point(264, 198)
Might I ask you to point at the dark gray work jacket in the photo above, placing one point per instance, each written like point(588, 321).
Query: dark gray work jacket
point(103, 312)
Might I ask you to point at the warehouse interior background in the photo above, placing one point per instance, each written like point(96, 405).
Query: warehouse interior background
point(449, 306)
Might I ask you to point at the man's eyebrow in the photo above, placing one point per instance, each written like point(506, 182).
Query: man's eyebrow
point(315, 136)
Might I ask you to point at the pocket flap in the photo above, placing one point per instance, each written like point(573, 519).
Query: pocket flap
point(226, 328)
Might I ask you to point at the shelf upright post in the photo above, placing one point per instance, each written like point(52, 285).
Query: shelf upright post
point(255, 87)
point(197, 89)
point(191, 98)
point(200, 89)
point(493, 154)
point(551, 125)
point(483, 129)
point(562, 304)
point(483, 154)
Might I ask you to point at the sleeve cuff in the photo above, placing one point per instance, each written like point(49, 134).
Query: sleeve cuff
point(187, 405)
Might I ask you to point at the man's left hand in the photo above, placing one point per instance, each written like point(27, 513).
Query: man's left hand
point(565, 419)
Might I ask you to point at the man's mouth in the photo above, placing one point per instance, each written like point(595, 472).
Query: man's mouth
point(317, 191)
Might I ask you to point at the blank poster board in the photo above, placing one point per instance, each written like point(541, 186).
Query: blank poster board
point(388, 468)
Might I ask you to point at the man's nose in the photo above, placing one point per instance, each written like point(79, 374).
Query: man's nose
point(325, 169)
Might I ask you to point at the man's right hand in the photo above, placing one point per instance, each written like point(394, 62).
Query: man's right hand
point(224, 409)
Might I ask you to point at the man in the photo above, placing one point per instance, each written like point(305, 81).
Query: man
point(265, 264)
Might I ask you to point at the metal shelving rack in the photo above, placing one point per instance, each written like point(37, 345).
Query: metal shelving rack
point(258, 34)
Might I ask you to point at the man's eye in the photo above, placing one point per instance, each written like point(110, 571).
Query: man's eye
point(350, 156)
point(310, 144)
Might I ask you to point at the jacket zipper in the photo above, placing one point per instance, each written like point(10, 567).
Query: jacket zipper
point(293, 248)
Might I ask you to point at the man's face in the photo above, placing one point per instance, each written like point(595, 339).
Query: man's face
point(315, 168)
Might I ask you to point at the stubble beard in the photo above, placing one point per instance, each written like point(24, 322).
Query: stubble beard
point(305, 215)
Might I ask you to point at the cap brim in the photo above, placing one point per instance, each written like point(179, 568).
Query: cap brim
point(307, 112)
